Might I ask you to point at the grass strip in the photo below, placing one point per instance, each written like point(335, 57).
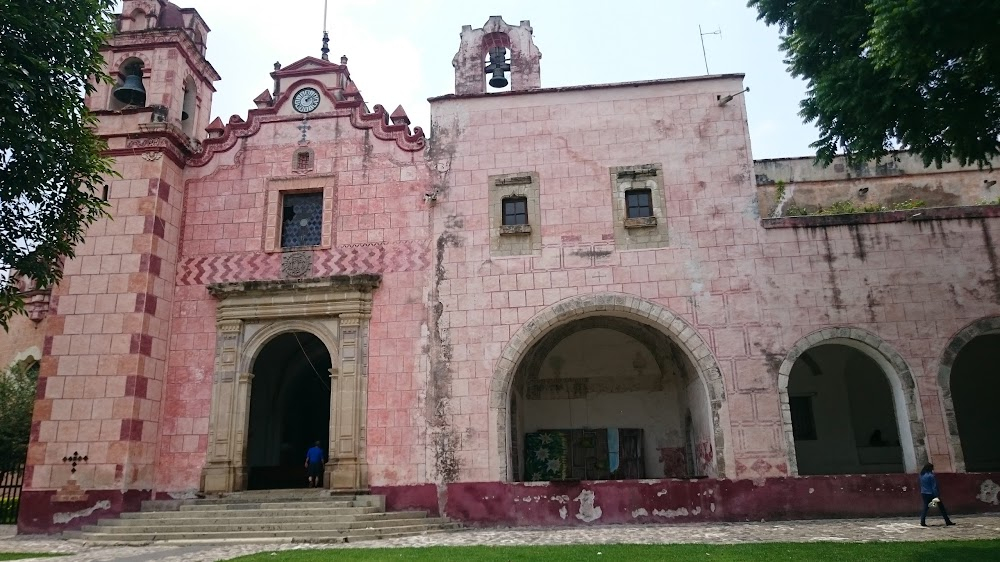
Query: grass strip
point(936, 551)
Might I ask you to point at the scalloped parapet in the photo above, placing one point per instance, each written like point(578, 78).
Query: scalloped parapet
point(347, 102)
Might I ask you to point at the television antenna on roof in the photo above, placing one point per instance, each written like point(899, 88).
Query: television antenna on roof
point(704, 55)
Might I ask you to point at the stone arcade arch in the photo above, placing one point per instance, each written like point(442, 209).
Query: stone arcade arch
point(957, 353)
point(336, 310)
point(612, 305)
point(908, 419)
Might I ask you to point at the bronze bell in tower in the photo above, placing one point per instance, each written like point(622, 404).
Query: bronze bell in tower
point(131, 92)
point(498, 66)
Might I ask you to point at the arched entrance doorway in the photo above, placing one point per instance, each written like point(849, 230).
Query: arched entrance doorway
point(975, 388)
point(851, 406)
point(607, 379)
point(606, 398)
point(289, 409)
point(254, 315)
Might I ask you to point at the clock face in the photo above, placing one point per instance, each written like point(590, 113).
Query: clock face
point(306, 100)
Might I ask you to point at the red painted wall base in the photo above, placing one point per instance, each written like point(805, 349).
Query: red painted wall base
point(41, 514)
point(606, 502)
point(684, 501)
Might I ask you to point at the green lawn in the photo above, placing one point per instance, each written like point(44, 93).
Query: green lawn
point(23, 555)
point(940, 551)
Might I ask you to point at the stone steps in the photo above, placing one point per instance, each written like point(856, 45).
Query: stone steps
point(271, 516)
point(314, 512)
point(260, 525)
point(139, 519)
point(353, 535)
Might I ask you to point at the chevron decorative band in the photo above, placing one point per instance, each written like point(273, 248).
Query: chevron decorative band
point(342, 260)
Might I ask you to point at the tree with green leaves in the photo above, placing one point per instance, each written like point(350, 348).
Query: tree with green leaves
point(52, 173)
point(915, 75)
point(17, 402)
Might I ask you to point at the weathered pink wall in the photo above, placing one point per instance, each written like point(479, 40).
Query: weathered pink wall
point(379, 225)
point(752, 292)
point(572, 139)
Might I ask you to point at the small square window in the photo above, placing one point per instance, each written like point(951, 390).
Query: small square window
point(803, 421)
point(301, 220)
point(302, 160)
point(638, 203)
point(515, 211)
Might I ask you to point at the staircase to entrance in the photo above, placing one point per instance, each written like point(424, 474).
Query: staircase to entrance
point(298, 516)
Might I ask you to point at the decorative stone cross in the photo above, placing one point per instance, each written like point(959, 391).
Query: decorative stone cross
point(304, 127)
point(75, 458)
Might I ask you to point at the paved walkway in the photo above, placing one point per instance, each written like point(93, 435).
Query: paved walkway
point(859, 530)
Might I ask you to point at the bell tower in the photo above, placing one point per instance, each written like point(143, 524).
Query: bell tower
point(104, 364)
point(157, 61)
point(498, 55)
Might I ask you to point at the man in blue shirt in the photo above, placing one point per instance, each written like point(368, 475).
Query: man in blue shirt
point(929, 493)
point(314, 464)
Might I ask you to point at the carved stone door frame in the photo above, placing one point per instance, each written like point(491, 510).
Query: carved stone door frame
point(337, 310)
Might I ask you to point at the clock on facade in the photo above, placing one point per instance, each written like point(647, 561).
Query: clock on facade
point(306, 100)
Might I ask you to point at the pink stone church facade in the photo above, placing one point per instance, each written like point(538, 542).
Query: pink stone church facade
point(574, 305)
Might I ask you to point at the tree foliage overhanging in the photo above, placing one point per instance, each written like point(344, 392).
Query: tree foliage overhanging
point(916, 75)
point(51, 169)
point(17, 401)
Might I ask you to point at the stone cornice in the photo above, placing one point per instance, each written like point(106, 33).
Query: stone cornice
point(911, 215)
point(301, 298)
point(166, 139)
point(364, 282)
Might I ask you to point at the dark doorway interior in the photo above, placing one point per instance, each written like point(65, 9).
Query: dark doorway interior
point(975, 387)
point(843, 414)
point(289, 410)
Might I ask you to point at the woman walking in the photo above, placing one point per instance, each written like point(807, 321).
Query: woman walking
point(930, 495)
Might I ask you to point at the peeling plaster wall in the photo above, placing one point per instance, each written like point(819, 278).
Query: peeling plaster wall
point(914, 285)
point(572, 139)
point(492, 504)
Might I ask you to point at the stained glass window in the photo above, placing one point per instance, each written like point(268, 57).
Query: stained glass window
point(302, 220)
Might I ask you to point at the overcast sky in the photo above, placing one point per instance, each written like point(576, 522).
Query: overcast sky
point(400, 51)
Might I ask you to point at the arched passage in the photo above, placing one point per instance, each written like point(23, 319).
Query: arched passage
point(970, 387)
point(289, 409)
point(849, 406)
point(635, 366)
